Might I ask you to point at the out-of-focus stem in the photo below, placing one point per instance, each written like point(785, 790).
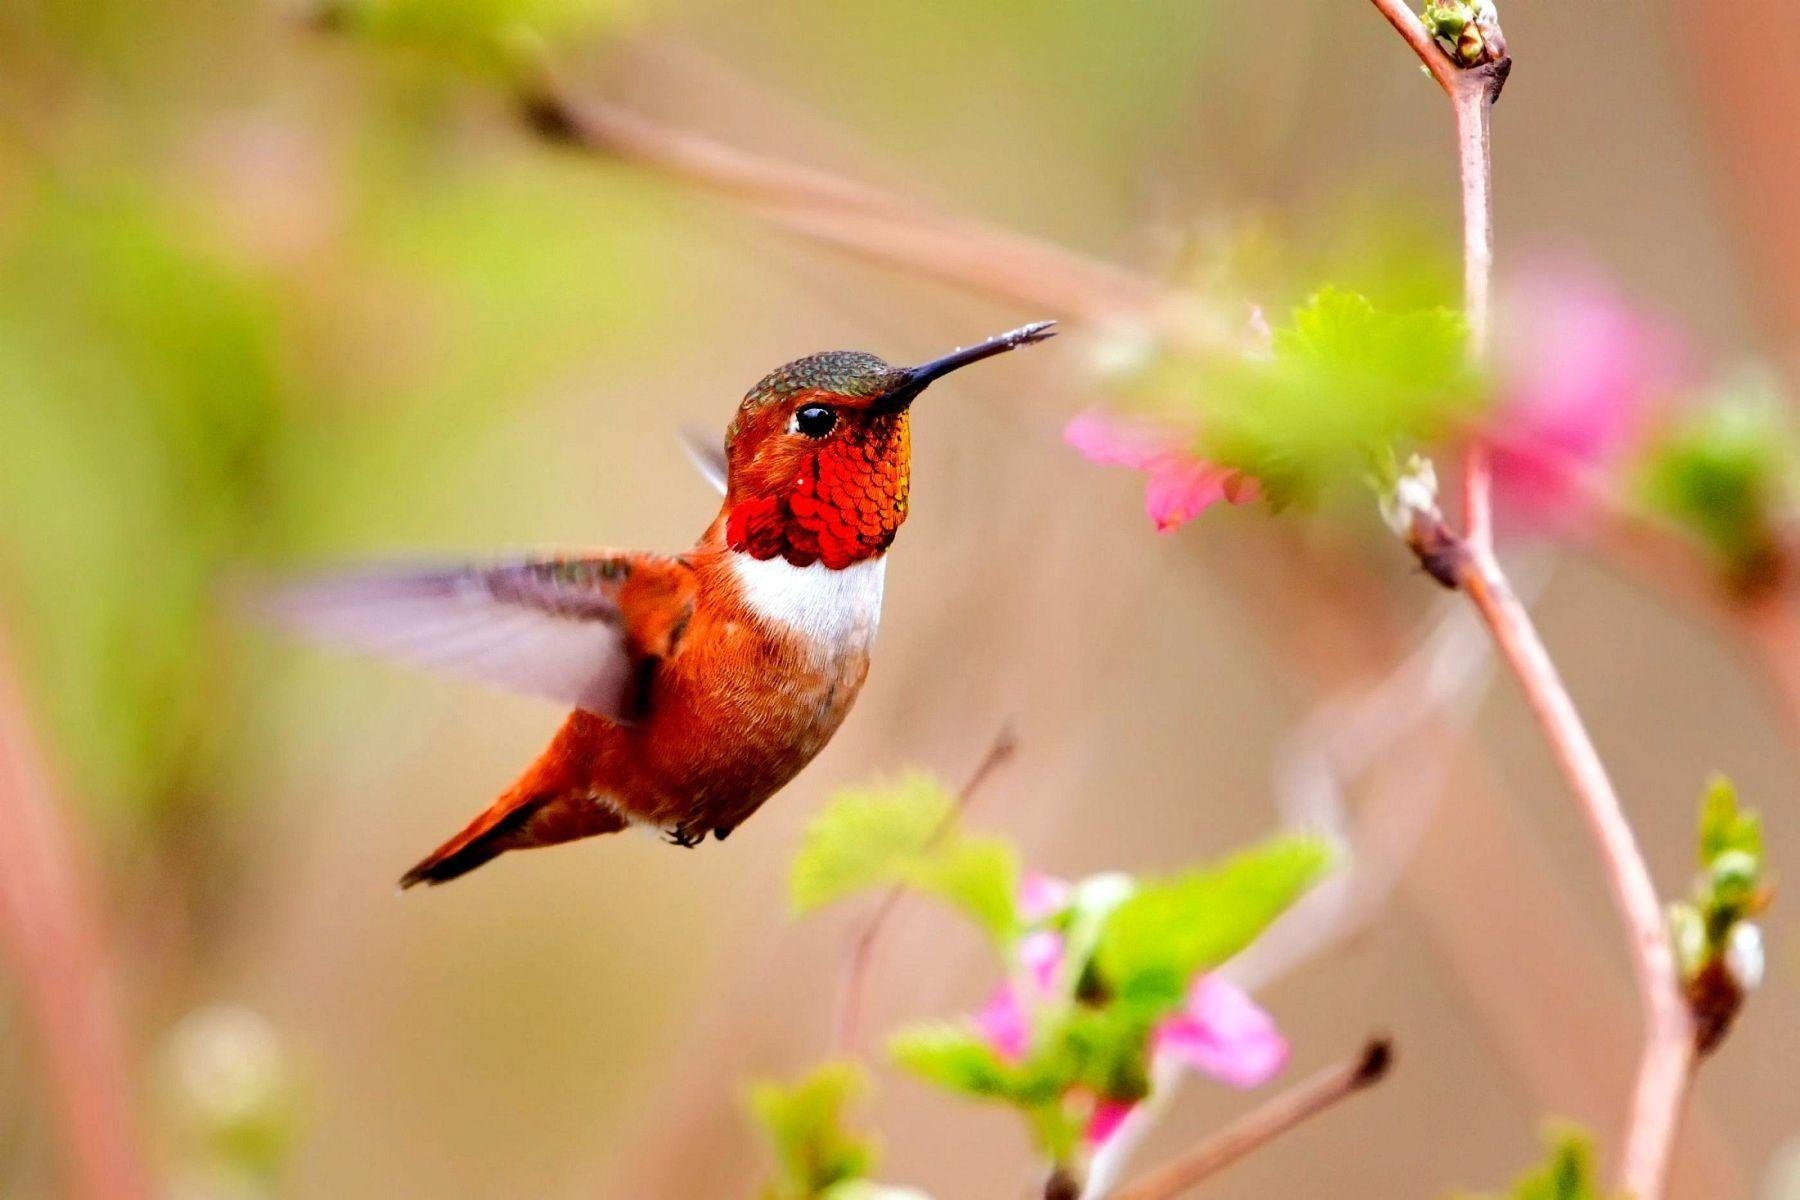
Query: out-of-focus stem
point(1263, 1125)
point(51, 934)
point(862, 947)
point(867, 221)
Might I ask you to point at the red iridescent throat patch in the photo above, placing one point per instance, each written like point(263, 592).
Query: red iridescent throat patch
point(844, 506)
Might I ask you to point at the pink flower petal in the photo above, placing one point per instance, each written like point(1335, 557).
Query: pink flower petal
point(1224, 1034)
point(1004, 1024)
point(1180, 490)
point(1041, 956)
point(1116, 441)
point(1181, 486)
point(1043, 896)
point(1580, 372)
point(1104, 1123)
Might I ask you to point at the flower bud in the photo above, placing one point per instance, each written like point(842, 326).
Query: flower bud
point(1744, 955)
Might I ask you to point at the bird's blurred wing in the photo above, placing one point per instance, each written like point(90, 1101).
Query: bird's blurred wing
point(707, 454)
point(586, 630)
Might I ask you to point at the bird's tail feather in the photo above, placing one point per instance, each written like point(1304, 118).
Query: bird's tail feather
point(546, 806)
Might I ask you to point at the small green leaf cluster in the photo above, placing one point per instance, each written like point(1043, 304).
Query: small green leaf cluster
point(1132, 950)
point(817, 1155)
point(1342, 387)
point(1129, 949)
point(1727, 476)
point(485, 36)
point(1468, 30)
point(1568, 1173)
point(1714, 929)
point(906, 833)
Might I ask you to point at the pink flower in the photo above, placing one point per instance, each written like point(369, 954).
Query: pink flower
point(1224, 1034)
point(1579, 374)
point(1004, 1024)
point(1005, 1021)
point(1107, 1117)
point(1180, 486)
point(1042, 896)
point(1220, 1032)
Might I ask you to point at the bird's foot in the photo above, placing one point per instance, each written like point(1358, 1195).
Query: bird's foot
point(681, 835)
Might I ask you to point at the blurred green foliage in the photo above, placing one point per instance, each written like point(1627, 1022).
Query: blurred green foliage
point(1726, 474)
point(907, 833)
point(1129, 960)
point(1568, 1173)
point(233, 326)
point(817, 1155)
point(1130, 949)
point(1733, 885)
point(1342, 388)
point(479, 35)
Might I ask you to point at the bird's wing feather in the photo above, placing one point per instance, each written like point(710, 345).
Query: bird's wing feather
point(574, 629)
point(707, 454)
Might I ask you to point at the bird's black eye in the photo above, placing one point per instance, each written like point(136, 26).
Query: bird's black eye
point(815, 421)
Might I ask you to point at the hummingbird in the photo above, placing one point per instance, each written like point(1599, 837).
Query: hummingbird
point(702, 682)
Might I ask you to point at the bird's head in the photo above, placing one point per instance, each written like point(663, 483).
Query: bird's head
point(819, 453)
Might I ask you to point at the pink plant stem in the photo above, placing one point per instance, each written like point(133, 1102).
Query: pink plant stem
point(1472, 97)
point(1666, 1063)
point(50, 933)
point(1263, 1125)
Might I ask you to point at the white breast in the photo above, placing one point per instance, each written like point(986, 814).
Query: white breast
point(835, 610)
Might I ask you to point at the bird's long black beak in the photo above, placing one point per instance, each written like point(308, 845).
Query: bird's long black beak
point(917, 379)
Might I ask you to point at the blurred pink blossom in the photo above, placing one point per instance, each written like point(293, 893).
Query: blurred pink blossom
point(1042, 896)
point(1181, 486)
point(1579, 375)
point(1220, 1031)
point(1224, 1034)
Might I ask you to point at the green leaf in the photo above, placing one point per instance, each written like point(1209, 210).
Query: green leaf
point(906, 833)
point(979, 875)
point(955, 1059)
point(478, 34)
point(1726, 476)
point(1723, 827)
point(863, 1189)
point(1567, 1175)
point(1345, 385)
point(814, 1152)
point(1168, 931)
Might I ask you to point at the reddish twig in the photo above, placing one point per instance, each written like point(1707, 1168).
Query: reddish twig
point(1666, 1061)
point(51, 933)
point(867, 221)
point(1263, 1125)
point(1406, 22)
point(862, 946)
point(1668, 1043)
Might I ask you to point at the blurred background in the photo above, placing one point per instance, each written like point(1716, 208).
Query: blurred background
point(279, 289)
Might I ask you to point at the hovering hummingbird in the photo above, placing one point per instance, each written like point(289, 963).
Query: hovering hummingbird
point(701, 682)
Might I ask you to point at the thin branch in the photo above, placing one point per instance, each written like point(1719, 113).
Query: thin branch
point(1263, 1125)
point(1406, 22)
point(1665, 1066)
point(1668, 1050)
point(862, 946)
point(1472, 98)
point(49, 930)
point(867, 221)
